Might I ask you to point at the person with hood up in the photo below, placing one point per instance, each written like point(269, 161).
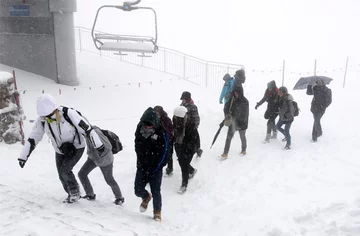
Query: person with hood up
point(166, 123)
point(286, 115)
point(65, 127)
point(272, 111)
point(239, 80)
point(227, 88)
point(237, 110)
point(321, 100)
point(193, 115)
point(186, 137)
point(104, 160)
point(151, 145)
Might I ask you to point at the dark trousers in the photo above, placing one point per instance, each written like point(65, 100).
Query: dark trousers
point(271, 124)
point(64, 165)
point(169, 156)
point(230, 135)
point(184, 162)
point(155, 186)
point(317, 130)
point(286, 131)
point(107, 172)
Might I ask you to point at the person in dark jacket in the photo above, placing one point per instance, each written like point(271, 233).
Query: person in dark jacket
point(186, 137)
point(193, 115)
point(151, 144)
point(166, 123)
point(272, 110)
point(286, 115)
point(239, 80)
point(321, 100)
point(238, 108)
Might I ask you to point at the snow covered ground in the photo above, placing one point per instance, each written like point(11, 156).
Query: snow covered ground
point(312, 190)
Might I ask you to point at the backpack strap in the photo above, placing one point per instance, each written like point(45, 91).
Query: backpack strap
point(67, 118)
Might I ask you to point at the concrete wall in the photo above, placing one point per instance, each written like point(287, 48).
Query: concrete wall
point(38, 36)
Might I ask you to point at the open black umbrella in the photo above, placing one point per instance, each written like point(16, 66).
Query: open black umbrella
point(303, 82)
point(217, 133)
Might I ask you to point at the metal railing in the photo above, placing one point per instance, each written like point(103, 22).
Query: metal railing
point(192, 69)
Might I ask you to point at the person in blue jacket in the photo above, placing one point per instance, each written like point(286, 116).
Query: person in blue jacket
point(227, 88)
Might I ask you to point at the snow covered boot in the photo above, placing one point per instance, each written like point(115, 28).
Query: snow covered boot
point(182, 189)
point(74, 197)
point(274, 135)
point(243, 153)
point(145, 202)
point(224, 156)
point(267, 138)
point(157, 215)
point(89, 197)
point(191, 175)
point(119, 201)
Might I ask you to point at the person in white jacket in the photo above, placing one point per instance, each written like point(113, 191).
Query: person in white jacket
point(65, 127)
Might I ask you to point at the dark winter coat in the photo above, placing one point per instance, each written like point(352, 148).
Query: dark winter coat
point(270, 97)
point(239, 110)
point(286, 108)
point(192, 113)
point(322, 98)
point(165, 122)
point(190, 141)
point(151, 151)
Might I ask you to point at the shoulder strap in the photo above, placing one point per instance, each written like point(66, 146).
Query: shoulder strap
point(67, 118)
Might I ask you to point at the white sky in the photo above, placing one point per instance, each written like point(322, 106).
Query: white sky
point(237, 31)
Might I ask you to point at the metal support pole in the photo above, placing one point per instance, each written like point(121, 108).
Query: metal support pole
point(315, 68)
point(80, 44)
point(164, 61)
point(283, 73)
point(346, 66)
point(206, 74)
point(184, 72)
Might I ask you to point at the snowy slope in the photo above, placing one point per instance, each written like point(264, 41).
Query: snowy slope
point(312, 190)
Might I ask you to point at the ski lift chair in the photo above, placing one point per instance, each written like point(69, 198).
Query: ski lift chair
point(125, 43)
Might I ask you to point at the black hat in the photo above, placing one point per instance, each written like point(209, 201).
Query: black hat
point(283, 89)
point(186, 96)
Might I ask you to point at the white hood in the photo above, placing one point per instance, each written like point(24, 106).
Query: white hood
point(45, 105)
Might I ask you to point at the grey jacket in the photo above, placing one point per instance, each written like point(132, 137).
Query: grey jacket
point(286, 112)
point(106, 157)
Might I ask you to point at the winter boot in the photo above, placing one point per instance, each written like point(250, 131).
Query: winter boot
point(145, 202)
point(199, 153)
point(182, 189)
point(191, 175)
point(274, 135)
point(243, 152)
point(267, 138)
point(287, 147)
point(89, 197)
point(74, 197)
point(119, 201)
point(224, 156)
point(157, 215)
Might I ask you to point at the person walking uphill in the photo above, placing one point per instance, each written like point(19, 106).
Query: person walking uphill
point(193, 115)
point(166, 123)
point(65, 127)
point(237, 110)
point(321, 100)
point(151, 144)
point(227, 89)
point(272, 110)
point(186, 138)
point(104, 159)
point(286, 115)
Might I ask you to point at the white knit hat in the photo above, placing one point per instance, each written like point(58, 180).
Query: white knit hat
point(45, 105)
point(180, 111)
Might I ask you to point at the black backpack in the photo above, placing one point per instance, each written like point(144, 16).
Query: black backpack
point(296, 108)
point(113, 138)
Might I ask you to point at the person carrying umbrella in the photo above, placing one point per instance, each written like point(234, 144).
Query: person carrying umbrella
point(321, 100)
point(237, 108)
point(272, 110)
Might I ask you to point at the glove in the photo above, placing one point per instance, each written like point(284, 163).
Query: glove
point(101, 150)
point(257, 105)
point(21, 163)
